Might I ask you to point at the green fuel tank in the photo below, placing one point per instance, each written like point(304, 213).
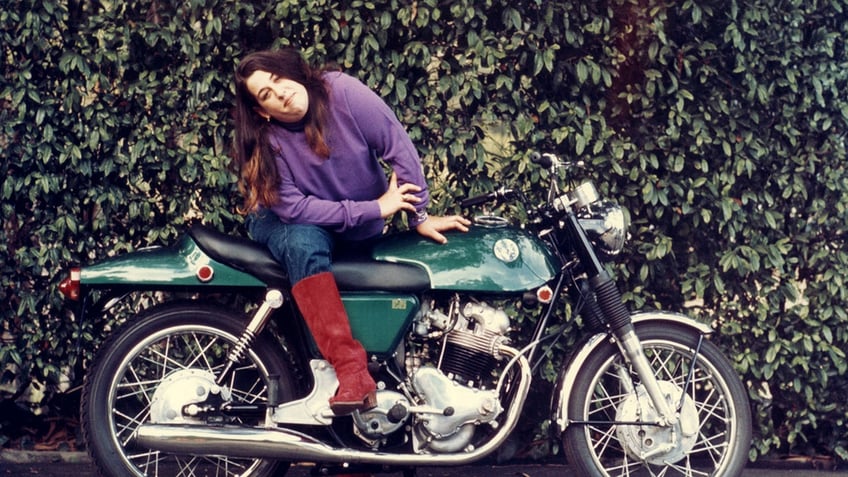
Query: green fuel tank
point(489, 259)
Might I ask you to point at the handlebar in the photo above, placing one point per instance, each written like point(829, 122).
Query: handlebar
point(488, 197)
point(546, 160)
point(551, 161)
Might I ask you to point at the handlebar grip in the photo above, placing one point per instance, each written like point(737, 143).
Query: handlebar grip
point(476, 200)
point(491, 196)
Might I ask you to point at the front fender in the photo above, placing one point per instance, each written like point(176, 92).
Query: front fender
point(567, 378)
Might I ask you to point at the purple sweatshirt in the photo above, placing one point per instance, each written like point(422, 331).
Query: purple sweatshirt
point(341, 192)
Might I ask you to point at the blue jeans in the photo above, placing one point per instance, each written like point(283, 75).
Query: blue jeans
point(303, 249)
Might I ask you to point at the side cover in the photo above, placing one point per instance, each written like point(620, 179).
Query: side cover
point(484, 259)
point(379, 320)
point(184, 265)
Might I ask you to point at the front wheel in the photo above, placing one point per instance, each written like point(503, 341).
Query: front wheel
point(613, 427)
point(168, 352)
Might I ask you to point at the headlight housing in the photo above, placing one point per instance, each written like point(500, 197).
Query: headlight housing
point(605, 223)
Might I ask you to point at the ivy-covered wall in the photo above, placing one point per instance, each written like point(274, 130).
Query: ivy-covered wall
point(720, 125)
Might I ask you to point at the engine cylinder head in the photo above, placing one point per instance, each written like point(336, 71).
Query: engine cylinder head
point(470, 357)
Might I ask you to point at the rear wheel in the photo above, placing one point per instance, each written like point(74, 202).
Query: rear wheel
point(712, 437)
point(153, 358)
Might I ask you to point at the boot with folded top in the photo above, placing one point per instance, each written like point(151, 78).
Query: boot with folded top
point(320, 303)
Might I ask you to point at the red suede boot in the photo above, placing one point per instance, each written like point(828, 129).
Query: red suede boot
point(320, 303)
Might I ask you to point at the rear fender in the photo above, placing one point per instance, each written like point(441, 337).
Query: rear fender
point(184, 266)
point(567, 378)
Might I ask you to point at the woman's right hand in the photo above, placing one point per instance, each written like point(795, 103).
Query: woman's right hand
point(398, 198)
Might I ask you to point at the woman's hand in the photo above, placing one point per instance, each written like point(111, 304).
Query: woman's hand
point(433, 227)
point(403, 198)
point(398, 198)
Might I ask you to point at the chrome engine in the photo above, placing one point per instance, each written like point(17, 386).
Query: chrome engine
point(451, 363)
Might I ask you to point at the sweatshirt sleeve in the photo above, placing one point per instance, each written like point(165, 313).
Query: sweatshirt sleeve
point(388, 138)
point(294, 206)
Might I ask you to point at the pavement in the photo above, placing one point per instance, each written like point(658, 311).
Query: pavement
point(78, 464)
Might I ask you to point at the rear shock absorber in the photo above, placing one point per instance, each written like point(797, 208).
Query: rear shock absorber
point(273, 300)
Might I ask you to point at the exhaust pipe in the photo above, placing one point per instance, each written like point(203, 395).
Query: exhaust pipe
point(236, 441)
point(291, 445)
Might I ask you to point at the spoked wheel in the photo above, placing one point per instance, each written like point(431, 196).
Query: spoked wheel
point(159, 361)
point(615, 430)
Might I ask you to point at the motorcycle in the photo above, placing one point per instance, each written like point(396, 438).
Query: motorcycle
point(200, 386)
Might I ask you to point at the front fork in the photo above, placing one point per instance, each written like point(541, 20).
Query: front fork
point(632, 350)
point(618, 318)
point(609, 305)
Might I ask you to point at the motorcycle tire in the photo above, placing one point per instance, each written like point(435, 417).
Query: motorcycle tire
point(140, 356)
point(714, 434)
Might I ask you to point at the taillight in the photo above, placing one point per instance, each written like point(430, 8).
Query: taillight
point(70, 287)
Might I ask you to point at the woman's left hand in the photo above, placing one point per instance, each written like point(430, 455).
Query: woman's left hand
point(433, 227)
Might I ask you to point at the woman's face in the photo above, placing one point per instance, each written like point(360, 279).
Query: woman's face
point(280, 98)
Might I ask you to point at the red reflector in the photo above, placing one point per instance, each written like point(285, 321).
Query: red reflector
point(205, 273)
point(545, 294)
point(70, 287)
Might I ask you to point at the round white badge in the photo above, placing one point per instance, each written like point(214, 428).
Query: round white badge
point(506, 250)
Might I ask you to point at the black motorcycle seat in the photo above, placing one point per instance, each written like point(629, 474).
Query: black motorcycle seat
point(351, 273)
point(240, 253)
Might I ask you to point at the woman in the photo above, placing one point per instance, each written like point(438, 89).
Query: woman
point(308, 148)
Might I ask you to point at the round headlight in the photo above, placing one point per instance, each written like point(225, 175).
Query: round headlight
point(606, 225)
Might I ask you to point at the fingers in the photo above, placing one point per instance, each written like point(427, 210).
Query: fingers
point(403, 189)
point(406, 193)
point(398, 198)
point(439, 238)
point(410, 199)
point(432, 234)
point(461, 227)
point(407, 190)
point(461, 222)
point(453, 222)
point(433, 227)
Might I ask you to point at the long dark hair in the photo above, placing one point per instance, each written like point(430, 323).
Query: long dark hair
point(254, 159)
